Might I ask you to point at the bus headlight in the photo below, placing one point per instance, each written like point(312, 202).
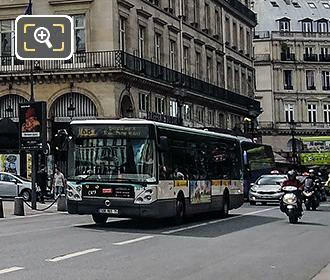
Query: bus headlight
point(147, 196)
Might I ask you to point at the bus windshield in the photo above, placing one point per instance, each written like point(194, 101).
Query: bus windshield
point(114, 159)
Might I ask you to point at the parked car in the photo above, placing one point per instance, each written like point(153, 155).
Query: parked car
point(12, 185)
point(267, 188)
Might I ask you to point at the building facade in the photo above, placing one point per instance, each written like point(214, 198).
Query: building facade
point(179, 61)
point(292, 62)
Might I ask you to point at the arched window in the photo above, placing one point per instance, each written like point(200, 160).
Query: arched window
point(9, 105)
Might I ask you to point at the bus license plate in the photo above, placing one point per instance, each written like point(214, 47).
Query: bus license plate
point(108, 211)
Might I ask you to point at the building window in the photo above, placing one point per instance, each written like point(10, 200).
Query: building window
point(173, 108)
point(171, 6)
point(310, 79)
point(236, 80)
point(222, 120)
point(287, 76)
point(185, 10)
point(141, 38)
point(289, 112)
point(326, 5)
point(187, 112)
point(234, 35)
point(7, 38)
point(227, 28)
point(312, 5)
point(173, 55)
point(248, 43)
point(198, 65)
point(196, 11)
point(160, 105)
point(186, 60)
point(210, 117)
point(207, 16)
point(144, 102)
point(243, 82)
point(122, 33)
point(200, 114)
point(241, 39)
point(312, 112)
point(322, 26)
point(79, 33)
point(307, 26)
point(326, 80)
point(217, 24)
point(209, 70)
point(284, 25)
point(219, 70)
point(326, 113)
point(158, 48)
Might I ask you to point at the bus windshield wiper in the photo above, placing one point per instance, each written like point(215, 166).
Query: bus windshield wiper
point(90, 174)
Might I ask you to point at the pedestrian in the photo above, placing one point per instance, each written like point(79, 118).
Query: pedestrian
point(42, 179)
point(59, 182)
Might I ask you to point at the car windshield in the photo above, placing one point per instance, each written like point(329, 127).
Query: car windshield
point(114, 159)
point(270, 180)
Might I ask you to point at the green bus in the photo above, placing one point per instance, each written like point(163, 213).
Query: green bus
point(139, 168)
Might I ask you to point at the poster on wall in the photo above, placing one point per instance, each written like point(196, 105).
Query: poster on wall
point(29, 166)
point(32, 124)
point(10, 163)
point(200, 192)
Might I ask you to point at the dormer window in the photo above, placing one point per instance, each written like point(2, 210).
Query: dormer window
point(307, 26)
point(322, 25)
point(326, 5)
point(284, 25)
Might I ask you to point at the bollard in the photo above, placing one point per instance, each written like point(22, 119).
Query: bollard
point(2, 213)
point(19, 207)
point(61, 203)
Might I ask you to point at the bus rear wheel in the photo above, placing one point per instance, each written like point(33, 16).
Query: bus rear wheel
point(99, 219)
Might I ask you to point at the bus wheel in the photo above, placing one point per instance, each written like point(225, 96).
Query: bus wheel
point(225, 206)
point(99, 219)
point(180, 210)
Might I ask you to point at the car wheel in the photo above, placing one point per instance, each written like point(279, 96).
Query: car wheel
point(99, 219)
point(252, 203)
point(26, 195)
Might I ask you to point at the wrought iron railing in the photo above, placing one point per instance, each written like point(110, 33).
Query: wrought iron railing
point(119, 60)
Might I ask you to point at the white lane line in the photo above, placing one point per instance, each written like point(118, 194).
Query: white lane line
point(73, 255)
point(217, 221)
point(134, 240)
point(11, 269)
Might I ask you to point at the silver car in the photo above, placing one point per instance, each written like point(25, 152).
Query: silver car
point(267, 188)
point(12, 185)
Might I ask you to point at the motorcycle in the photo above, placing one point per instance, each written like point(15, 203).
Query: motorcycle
point(289, 204)
point(311, 200)
point(321, 190)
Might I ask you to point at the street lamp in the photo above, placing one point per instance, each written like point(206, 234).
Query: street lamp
point(293, 141)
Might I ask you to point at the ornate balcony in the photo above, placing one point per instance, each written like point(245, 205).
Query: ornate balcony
point(114, 61)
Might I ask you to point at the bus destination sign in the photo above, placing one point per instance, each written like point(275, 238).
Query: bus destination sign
point(130, 131)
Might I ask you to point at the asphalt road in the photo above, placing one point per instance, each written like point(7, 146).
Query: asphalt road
point(255, 242)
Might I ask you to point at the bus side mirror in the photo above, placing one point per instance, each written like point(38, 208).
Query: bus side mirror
point(163, 144)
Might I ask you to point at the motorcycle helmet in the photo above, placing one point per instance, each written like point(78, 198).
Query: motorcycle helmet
point(311, 172)
point(275, 172)
point(292, 175)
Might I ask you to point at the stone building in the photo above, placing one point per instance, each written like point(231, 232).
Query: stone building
point(292, 62)
point(179, 61)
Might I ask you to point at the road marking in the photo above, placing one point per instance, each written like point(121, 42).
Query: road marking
point(11, 269)
point(217, 221)
point(72, 255)
point(134, 240)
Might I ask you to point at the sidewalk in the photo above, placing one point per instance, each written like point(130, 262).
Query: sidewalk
point(324, 274)
point(8, 207)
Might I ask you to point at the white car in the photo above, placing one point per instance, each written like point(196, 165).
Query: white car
point(12, 185)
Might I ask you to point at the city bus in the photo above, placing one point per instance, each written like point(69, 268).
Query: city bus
point(144, 169)
point(258, 159)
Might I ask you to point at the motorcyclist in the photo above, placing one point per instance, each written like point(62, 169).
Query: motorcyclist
point(309, 182)
point(293, 181)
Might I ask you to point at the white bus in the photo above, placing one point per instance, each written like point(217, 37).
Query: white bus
point(138, 168)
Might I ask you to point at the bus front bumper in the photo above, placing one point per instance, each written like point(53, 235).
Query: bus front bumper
point(122, 208)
